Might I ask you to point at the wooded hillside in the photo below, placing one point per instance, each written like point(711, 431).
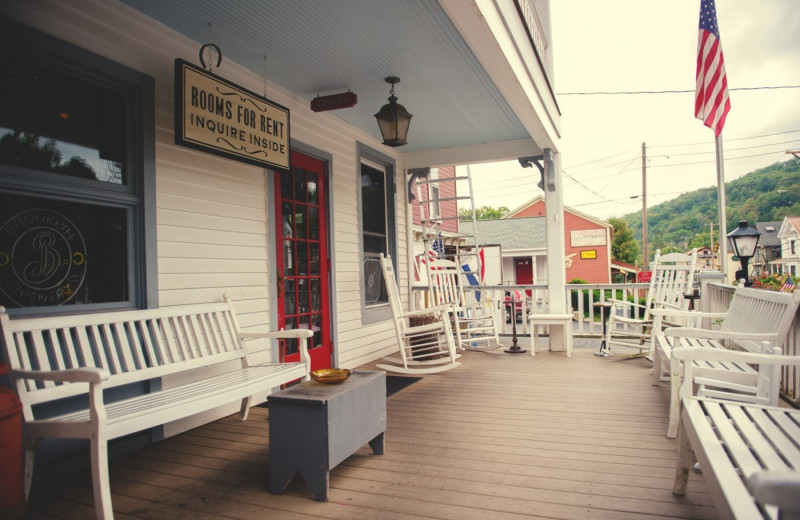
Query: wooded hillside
point(770, 193)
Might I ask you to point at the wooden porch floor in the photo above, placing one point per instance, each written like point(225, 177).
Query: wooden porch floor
point(501, 437)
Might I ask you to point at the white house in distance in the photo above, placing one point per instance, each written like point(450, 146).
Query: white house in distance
point(190, 149)
point(789, 235)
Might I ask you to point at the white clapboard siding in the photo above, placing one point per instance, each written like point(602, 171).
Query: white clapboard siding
point(214, 229)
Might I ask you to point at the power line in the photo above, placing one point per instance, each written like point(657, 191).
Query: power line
point(637, 92)
point(583, 185)
point(726, 140)
point(730, 150)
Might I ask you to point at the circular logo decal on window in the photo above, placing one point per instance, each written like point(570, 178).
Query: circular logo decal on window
point(42, 258)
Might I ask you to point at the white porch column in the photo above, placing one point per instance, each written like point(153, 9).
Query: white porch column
point(556, 268)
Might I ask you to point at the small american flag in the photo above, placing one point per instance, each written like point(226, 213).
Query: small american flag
point(436, 250)
point(788, 284)
point(711, 103)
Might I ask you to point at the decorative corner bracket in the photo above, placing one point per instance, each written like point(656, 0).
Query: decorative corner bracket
point(414, 174)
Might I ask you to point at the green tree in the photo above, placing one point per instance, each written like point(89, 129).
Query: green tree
point(483, 213)
point(623, 248)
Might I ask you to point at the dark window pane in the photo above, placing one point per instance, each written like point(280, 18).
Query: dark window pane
point(302, 258)
point(316, 298)
point(300, 221)
point(286, 186)
point(56, 122)
point(313, 223)
point(314, 260)
point(56, 253)
point(302, 297)
point(289, 301)
point(300, 188)
point(374, 244)
point(373, 200)
point(288, 258)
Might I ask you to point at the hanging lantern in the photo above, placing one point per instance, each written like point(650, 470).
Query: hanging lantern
point(393, 119)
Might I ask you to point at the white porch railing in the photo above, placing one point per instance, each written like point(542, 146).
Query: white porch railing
point(715, 297)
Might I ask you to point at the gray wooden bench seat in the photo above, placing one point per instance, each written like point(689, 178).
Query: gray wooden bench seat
point(56, 358)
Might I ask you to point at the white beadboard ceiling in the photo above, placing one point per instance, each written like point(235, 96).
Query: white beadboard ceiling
point(328, 46)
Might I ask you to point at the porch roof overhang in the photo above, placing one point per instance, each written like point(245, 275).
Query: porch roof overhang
point(470, 75)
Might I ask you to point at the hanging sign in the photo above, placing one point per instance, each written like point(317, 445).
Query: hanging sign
point(587, 237)
point(216, 116)
point(589, 254)
point(334, 101)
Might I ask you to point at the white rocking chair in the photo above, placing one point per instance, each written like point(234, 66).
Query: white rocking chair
point(425, 347)
point(672, 278)
point(475, 324)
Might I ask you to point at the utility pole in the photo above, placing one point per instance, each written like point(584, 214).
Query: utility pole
point(713, 249)
point(644, 205)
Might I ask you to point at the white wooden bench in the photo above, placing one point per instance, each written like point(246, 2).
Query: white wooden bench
point(55, 358)
point(749, 454)
point(754, 316)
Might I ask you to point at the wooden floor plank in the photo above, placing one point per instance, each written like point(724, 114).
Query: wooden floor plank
point(502, 437)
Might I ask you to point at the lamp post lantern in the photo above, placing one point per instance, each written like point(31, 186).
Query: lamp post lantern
point(743, 241)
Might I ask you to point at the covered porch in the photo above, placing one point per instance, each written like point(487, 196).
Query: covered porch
point(503, 436)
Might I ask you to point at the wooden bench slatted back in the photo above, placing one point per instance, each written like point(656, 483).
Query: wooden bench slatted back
point(758, 311)
point(54, 358)
point(132, 347)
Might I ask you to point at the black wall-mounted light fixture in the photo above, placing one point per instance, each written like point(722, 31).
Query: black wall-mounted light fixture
point(743, 241)
point(393, 118)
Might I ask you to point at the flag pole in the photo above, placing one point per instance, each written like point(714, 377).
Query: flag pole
point(723, 219)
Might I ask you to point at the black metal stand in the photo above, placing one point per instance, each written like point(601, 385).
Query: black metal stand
point(695, 295)
point(514, 348)
point(603, 352)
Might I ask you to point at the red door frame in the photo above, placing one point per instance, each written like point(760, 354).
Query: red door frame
point(306, 253)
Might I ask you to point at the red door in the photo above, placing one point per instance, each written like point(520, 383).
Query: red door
point(524, 272)
point(302, 242)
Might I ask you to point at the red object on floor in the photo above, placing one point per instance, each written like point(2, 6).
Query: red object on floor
point(12, 497)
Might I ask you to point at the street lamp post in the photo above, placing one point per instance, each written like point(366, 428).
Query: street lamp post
point(743, 241)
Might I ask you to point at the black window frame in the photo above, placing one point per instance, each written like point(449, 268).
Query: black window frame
point(136, 197)
point(373, 313)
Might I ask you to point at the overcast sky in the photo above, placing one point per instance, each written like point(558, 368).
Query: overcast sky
point(651, 45)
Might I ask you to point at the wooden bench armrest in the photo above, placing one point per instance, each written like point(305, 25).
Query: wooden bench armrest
point(72, 375)
point(691, 332)
point(673, 313)
point(736, 356)
point(300, 334)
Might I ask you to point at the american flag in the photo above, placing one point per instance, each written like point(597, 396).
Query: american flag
point(435, 251)
point(788, 284)
point(711, 102)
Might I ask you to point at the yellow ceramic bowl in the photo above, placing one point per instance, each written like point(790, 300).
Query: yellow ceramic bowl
point(330, 375)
